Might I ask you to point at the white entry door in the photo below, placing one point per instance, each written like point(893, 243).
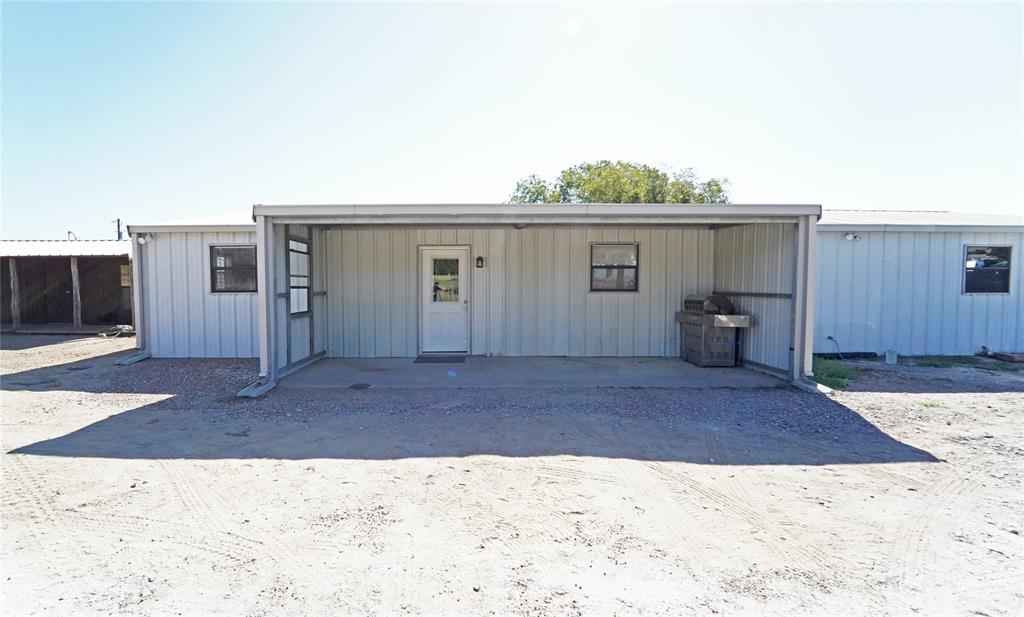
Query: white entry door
point(444, 282)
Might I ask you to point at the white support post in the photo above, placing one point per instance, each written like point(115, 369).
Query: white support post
point(76, 295)
point(796, 368)
point(266, 294)
point(809, 273)
point(136, 264)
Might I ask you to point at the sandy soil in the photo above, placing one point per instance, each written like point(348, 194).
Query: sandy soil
point(152, 490)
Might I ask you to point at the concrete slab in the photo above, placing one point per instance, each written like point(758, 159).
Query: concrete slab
point(481, 372)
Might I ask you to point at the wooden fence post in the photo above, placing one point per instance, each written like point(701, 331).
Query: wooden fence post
point(76, 295)
point(15, 295)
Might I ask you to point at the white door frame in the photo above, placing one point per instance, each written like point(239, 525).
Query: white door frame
point(464, 290)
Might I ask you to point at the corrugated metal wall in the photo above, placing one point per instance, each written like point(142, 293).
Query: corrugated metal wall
point(531, 299)
point(902, 290)
point(184, 319)
point(760, 260)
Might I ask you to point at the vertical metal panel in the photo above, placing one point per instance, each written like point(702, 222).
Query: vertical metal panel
point(183, 317)
point(910, 298)
point(531, 298)
point(494, 270)
point(760, 259)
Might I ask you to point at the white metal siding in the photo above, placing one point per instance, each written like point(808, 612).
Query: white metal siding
point(532, 297)
point(183, 317)
point(903, 291)
point(760, 259)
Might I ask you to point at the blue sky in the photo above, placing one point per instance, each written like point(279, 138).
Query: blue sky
point(155, 112)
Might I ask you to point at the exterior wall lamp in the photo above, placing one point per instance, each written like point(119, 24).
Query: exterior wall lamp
point(479, 262)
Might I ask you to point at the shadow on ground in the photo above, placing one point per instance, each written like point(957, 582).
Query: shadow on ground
point(10, 341)
point(769, 427)
point(200, 418)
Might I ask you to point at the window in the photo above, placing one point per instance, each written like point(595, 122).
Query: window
point(126, 275)
point(298, 276)
point(233, 269)
point(614, 267)
point(446, 280)
point(987, 270)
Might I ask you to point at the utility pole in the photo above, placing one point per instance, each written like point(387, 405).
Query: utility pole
point(119, 235)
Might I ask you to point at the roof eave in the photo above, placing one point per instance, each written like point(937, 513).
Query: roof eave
point(529, 213)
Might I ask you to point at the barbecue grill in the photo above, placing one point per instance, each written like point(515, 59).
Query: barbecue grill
point(709, 330)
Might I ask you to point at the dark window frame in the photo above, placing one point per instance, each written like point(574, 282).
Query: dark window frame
point(214, 269)
point(308, 276)
point(635, 269)
point(1008, 268)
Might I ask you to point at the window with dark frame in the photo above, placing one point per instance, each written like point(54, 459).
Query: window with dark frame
point(987, 269)
point(233, 268)
point(614, 267)
point(298, 277)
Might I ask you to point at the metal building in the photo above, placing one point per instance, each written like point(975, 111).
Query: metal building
point(919, 283)
point(297, 283)
point(64, 285)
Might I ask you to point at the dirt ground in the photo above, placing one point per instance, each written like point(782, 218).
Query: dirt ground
point(152, 490)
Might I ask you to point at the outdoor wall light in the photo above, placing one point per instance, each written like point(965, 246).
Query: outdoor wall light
point(479, 262)
point(852, 236)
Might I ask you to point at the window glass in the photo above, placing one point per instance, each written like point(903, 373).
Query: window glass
point(235, 280)
point(232, 269)
point(614, 267)
point(126, 275)
point(298, 276)
point(987, 269)
point(298, 263)
point(614, 255)
point(613, 279)
point(299, 297)
point(446, 279)
point(234, 256)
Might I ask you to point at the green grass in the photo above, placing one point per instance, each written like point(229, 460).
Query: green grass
point(832, 374)
point(985, 364)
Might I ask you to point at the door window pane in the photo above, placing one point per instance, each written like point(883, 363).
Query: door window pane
point(446, 280)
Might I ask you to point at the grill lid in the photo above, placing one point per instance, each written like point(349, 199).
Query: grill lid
point(711, 304)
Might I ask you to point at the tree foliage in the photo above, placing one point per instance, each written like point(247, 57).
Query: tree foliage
point(621, 182)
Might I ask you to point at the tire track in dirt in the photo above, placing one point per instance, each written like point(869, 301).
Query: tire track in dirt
point(791, 552)
point(198, 505)
point(208, 506)
point(916, 538)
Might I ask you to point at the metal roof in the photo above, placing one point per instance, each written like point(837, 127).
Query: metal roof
point(241, 221)
point(64, 248)
point(531, 214)
point(916, 220)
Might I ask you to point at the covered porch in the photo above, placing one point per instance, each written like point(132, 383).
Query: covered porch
point(525, 281)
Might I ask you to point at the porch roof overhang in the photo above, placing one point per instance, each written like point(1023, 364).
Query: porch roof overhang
point(533, 214)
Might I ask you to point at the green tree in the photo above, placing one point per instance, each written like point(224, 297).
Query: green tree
point(621, 182)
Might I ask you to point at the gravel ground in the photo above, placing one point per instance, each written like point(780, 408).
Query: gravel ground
point(153, 490)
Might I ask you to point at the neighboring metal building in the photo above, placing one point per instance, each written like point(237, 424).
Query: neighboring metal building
point(920, 283)
point(78, 283)
point(306, 282)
